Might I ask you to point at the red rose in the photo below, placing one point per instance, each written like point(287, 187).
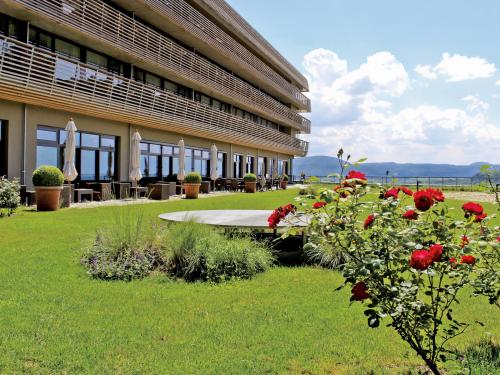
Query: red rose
point(359, 292)
point(464, 241)
point(436, 252)
point(411, 215)
point(369, 221)
point(318, 205)
point(280, 213)
point(406, 190)
point(481, 217)
point(420, 259)
point(468, 259)
point(453, 262)
point(392, 193)
point(437, 194)
point(356, 175)
point(498, 239)
point(472, 208)
point(423, 200)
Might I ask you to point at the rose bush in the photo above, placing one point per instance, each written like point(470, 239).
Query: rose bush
point(400, 256)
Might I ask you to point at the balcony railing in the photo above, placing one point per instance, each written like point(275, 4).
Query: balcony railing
point(101, 21)
point(189, 19)
point(224, 11)
point(39, 77)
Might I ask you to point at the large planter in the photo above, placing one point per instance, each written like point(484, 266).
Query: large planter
point(250, 186)
point(283, 184)
point(48, 198)
point(192, 190)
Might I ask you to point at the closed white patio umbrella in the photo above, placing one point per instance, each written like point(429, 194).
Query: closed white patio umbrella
point(182, 162)
point(135, 157)
point(69, 170)
point(214, 173)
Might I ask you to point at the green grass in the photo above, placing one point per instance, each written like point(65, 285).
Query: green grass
point(54, 319)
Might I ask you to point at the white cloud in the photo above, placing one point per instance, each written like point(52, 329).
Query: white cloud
point(497, 83)
point(426, 71)
point(354, 109)
point(458, 68)
point(475, 104)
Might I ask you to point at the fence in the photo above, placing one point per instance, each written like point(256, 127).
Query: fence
point(444, 183)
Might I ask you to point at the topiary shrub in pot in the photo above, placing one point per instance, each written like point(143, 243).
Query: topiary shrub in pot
point(284, 181)
point(48, 182)
point(192, 183)
point(250, 183)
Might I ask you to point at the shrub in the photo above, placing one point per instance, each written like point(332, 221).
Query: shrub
point(125, 250)
point(9, 196)
point(407, 257)
point(250, 177)
point(47, 176)
point(197, 252)
point(193, 178)
point(284, 177)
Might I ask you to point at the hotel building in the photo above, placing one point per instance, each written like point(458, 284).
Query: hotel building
point(171, 69)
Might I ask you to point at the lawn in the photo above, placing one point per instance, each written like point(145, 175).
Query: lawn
point(54, 319)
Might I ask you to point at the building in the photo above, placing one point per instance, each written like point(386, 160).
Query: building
point(172, 69)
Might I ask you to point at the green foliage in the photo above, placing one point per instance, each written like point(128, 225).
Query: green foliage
point(197, 252)
point(126, 249)
point(324, 256)
point(47, 175)
point(9, 196)
point(250, 177)
point(193, 178)
point(284, 177)
point(417, 297)
point(482, 358)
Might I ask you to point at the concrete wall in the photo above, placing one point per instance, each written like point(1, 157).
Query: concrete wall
point(18, 114)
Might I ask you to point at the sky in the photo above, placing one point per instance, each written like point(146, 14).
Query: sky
point(392, 80)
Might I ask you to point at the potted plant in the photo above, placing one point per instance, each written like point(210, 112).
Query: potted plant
point(192, 183)
point(284, 181)
point(250, 183)
point(48, 182)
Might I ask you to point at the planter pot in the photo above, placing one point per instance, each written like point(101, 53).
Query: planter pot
point(284, 184)
point(48, 198)
point(250, 187)
point(192, 190)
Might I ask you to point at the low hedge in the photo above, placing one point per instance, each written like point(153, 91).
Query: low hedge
point(193, 178)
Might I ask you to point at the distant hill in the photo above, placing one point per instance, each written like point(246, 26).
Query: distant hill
point(325, 165)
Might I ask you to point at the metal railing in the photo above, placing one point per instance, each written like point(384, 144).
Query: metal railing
point(39, 77)
point(445, 183)
point(99, 20)
point(189, 19)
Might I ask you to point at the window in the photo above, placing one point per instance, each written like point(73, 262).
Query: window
point(237, 166)
point(201, 159)
point(3, 148)
point(12, 27)
point(95, 154)
point(67, 49)
point(250, 164)
point(221, 164)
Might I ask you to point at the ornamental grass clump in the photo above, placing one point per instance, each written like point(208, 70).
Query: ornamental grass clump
point(127, 249)
point(197, 252)
point(406, 258)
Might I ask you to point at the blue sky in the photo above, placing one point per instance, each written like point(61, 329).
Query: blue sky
point(406, 81)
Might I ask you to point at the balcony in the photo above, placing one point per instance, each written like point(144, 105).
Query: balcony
point(185, 17)
point(221, 10)
point(107, 24)
point(39, 77)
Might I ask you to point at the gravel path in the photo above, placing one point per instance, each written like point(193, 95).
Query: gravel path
point(470, 196)
point(126, 202)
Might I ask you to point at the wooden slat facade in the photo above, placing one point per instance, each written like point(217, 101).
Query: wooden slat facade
point(97, 19)
point(223, 11)
point(35, 76)
point(189, 19)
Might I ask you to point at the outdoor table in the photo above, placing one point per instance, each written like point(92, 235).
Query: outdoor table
point(136, 191)
point(205, 187)
point(80, 192)
point(255, 220)
point(102, 190)
point(161, 191)
point(121, 190)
